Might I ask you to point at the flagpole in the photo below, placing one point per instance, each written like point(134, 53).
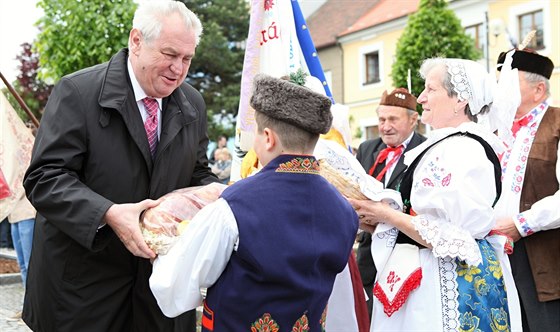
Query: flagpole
point(20, 101)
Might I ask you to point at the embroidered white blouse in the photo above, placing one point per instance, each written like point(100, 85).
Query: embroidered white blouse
point(452, 194)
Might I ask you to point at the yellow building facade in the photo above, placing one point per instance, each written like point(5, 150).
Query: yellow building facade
point(364, 46)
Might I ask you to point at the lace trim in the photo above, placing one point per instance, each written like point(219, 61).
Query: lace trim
point(459, 80)
point(449, 293)
point(448, 241)
point(408, 286)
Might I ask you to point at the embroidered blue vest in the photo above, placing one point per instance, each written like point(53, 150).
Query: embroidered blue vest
point(295, 235)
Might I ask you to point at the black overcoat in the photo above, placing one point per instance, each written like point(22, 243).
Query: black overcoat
point(92, 151)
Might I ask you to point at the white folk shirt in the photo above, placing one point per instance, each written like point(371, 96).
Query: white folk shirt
point(200, 256)
point(544, 214)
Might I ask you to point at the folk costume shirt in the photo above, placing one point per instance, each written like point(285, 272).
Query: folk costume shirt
point(268, 251)
point(544, 214)
point(452, 194)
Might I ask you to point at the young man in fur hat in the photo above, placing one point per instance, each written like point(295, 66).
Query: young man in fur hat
point(529, 210)
point(270, 248)
point(381, 158)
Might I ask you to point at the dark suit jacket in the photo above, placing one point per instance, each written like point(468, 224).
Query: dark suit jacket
point(367, 153)
point(92, 151)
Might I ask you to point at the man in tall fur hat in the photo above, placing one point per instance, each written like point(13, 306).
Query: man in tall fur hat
point(270, 248)
point(381, 158)
point(528, 210)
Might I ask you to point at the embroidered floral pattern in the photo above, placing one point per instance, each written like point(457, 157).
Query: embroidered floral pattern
point(438, 176)
point(467, 271)
point(323, 320)
point(265, 324)
point(268, 4)
point(524, 225)
point(446, 180)
point(500, 320)
point(301, 325)
point(300, 165)
point(493, 262)
point(392, 279)
point(482, 296)
point(481, 287)
point(469, 323)
point(519, 162)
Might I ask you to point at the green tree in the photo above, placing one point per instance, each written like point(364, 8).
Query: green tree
point(76, 34)
point(217, 65)
point(433, 30)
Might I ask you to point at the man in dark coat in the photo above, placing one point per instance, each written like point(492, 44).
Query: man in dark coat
point(94, 170)
point(381, 158)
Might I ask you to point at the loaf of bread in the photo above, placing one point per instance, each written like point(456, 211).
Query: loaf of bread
point(347, 187)
point(162, 224)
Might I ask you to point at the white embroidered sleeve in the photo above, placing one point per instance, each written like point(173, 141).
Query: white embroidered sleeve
point(544, 214)
point(452, 195)
point(196, 261)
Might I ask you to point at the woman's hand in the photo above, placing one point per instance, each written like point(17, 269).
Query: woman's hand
point(370, 213)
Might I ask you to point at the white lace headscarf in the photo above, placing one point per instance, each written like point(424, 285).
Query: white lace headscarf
point(472, 83)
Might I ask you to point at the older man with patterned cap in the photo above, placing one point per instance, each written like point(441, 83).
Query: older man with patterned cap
point(381, 158)
point(529, 209)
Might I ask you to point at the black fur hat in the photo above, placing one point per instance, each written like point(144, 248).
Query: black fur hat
point(292, 103)
point(529, 61)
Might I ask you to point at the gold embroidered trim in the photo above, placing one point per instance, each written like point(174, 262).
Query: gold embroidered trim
point(300, 165)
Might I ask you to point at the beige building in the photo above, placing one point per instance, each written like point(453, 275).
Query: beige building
point(357, 54)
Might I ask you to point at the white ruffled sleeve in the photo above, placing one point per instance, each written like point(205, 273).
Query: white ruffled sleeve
point(452, 195)
point(196, 261)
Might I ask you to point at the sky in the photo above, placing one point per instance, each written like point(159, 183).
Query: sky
point(17, 18)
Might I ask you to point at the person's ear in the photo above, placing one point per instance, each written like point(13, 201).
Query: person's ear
point(270, 139)
point(135, 41)
point(540, 91)
point(461, 104)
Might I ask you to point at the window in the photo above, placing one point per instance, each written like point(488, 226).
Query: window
point(478, 34)
point(532, 21)
point(372, 132)
point(372, 68)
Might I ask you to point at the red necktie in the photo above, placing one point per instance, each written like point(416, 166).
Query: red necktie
point(520, 123)
point(383, 156)
point(151, 124)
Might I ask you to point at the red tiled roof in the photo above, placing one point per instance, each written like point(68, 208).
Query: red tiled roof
point(334, 17)
point(384, 11)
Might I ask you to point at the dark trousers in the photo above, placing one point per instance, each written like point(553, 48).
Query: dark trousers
point(536, 316)
point(5, 234)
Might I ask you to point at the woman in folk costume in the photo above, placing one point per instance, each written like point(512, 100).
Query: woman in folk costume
point(442, 267)
point(270, 248)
